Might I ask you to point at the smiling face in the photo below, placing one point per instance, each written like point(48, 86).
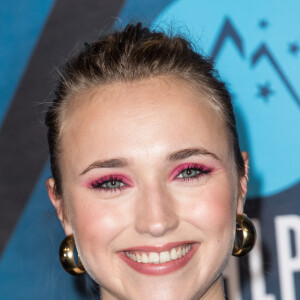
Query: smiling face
point(150, 190)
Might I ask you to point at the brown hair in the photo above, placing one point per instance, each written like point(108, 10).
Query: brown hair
point(131, 54)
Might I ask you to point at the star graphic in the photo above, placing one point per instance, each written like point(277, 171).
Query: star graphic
point(263, 23)
point(294, 48)
point(264, 91)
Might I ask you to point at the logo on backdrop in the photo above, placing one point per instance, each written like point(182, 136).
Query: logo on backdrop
point(257, 53)
point(259, 58)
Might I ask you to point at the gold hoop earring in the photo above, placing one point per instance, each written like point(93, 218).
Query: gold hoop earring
point(66, 256)
point(249, 236)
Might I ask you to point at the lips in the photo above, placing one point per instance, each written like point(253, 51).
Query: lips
point(159, 260)
point(159, 257)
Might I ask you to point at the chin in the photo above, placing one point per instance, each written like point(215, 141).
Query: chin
point(183, 286)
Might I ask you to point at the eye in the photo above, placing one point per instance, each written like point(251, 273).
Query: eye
point(110, 185)
point(107, 183)
point(192, 171)
point(189, 173)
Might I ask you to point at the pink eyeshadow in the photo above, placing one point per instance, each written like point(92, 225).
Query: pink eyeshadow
point(182, 167)
point(111, 177)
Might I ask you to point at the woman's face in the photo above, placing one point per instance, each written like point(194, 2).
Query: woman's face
point(150, 190)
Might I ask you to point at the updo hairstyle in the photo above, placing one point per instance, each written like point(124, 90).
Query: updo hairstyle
point(129, 55)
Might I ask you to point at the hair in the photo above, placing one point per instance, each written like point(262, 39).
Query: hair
point(133, 54)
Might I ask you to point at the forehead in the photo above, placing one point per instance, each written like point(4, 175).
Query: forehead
point(149, 114)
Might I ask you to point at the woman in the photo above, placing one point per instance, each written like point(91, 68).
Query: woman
point(148, 177)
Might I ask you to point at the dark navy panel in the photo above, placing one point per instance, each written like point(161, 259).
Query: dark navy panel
point(30, 268)
point(21, 23)
point(143, 11)
point(23, 146)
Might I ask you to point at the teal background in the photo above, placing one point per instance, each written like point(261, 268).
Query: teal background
point(265, 89)
point(268, 125)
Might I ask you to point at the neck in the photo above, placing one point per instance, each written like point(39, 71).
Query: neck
point(215, 292)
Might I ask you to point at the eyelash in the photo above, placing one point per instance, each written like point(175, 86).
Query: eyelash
point(99, 184)
point(200, 169)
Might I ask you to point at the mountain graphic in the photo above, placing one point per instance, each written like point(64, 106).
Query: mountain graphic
point(228, 31)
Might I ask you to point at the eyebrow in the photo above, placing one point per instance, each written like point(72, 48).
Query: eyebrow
point(186, 153)
point(110, 163)
point(174, 156)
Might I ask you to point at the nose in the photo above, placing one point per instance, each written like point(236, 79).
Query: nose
point(155, 212)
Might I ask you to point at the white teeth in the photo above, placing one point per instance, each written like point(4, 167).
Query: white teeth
point(164, 257)
point(138, 258)
point(145, 259)
point(173, 254)
point(179, 253)
point(154, 258)
point(158, 258)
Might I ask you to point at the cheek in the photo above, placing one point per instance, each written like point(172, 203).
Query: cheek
point(95, 224)
point(211, 210)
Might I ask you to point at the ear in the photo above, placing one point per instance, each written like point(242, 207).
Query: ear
point(58, 205)
point(243, 184)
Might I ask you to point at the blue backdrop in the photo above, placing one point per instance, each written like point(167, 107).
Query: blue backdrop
point(256, 46)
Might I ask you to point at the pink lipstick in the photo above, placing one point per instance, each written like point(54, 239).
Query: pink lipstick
point(151, 260)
